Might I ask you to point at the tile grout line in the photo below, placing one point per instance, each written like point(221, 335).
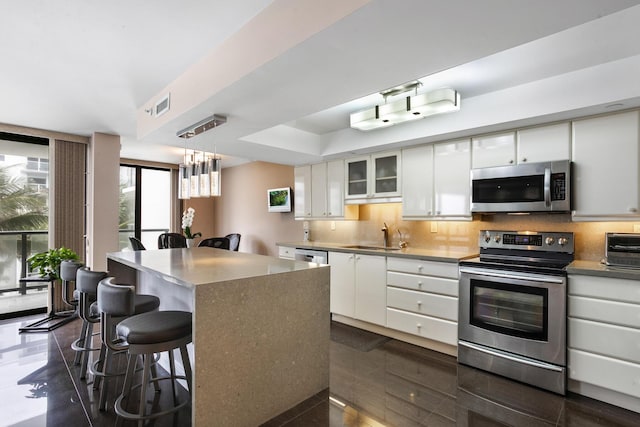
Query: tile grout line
point(75, 386)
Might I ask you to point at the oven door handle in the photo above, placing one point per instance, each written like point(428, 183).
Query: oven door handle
point(504, 355)
point(493, 273)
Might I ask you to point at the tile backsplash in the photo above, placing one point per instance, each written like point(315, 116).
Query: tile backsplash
point(460, 235)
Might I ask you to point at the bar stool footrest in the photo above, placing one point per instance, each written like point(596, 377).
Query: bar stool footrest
point(131, 416)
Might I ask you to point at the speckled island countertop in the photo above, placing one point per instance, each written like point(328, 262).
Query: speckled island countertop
point(442, 254)
point(595, 268)
point(201, 266)
point(260, 326)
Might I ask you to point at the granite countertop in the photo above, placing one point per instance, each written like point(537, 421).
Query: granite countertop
point(442, 254)
point(595, 268)
point(199, 266)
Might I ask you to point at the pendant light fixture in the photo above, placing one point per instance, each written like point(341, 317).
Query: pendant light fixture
point(215, 175)
point(204, 178)
point(200, 172)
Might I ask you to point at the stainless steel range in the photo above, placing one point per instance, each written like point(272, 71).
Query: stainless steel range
point(512, 318)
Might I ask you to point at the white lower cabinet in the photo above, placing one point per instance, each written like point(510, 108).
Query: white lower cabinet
point(422, 298)
point(604, 338)
point(371, 298)
point(342, 276)
point(424, 303)
point(286, 252)
point(358, 286)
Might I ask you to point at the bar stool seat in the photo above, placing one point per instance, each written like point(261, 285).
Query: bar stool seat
point(145, 328)
point(143, 335)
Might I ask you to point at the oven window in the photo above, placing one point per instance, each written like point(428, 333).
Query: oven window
point(515, 310)
point(509, 190)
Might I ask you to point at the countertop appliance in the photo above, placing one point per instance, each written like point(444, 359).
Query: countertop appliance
point(622, 250)
point(310, 255)
point(512, 306)
point(529, 187)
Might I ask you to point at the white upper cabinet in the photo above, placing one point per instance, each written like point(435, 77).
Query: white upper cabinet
point(302, 192)
point(436, 181)
point(494, 150)
point(606, 161)
point(386, 174)
point(544, 143)
point(532, 145)
point(335, 189)
point(373, 177)
point(319, 192)
point(451, 179)
point(417, 181)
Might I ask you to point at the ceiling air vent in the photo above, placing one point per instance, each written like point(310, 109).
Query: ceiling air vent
point(162, 106)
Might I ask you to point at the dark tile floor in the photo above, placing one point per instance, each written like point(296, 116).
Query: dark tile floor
point(374, 382)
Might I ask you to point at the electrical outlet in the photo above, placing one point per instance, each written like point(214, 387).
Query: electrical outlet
point(636, 228)
point(434, 227)
point(333, 226)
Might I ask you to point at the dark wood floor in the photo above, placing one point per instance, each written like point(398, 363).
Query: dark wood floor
point(374, 381)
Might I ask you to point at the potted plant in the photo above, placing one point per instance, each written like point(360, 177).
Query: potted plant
point(187, 222)
point(47, 264)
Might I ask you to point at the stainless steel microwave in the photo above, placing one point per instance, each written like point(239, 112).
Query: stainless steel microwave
point(529, 187)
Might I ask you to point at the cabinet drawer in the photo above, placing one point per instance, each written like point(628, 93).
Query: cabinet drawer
point(286, 252)
point(605, 339)
point(423, 303)
point(431, 268)
point(437, 285)
point(606, 372)
point(623, 290)
point(618, 313)
point(441, 330)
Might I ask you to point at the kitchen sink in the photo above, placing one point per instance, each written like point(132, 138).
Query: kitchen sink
point(371, 248)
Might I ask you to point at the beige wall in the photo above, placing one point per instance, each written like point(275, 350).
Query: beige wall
point(103, 168)
point(242, 208)
point(589, 236)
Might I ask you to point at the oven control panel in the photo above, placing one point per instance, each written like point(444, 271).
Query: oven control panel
point(527, 240)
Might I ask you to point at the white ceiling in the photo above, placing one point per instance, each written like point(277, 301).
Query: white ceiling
point(92, 66)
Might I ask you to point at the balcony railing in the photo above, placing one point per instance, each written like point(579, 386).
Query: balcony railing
point(16, 247)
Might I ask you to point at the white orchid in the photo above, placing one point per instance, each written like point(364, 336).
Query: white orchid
point(187, 222)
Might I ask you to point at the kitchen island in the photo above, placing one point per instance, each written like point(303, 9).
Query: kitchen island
point(260, 327)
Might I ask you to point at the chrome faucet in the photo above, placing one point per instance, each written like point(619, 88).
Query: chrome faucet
point(385, 231)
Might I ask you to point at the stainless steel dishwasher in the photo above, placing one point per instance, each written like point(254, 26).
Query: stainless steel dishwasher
point(311, 255)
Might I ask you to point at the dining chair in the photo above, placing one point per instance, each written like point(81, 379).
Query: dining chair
point(216, 242)
point(171, 240)
point(234, 241)
point(136, 244)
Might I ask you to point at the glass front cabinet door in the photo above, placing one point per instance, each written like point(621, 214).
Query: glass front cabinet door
point(374, 176)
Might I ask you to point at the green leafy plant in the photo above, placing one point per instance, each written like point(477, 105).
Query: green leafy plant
point(48, 263)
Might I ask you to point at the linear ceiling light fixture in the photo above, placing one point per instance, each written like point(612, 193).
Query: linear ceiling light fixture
point(202, 126)
point(406, 108)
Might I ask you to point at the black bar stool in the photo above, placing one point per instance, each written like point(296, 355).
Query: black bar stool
point(101, 368)
point(143, 335)
point(87, 287)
